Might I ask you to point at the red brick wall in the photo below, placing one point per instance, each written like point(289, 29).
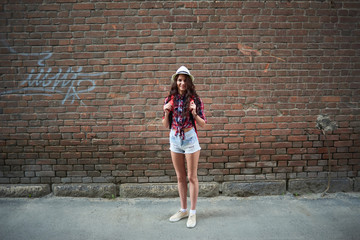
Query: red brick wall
point(82, 86)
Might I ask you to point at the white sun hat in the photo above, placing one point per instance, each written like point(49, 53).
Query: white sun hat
point(182, 70)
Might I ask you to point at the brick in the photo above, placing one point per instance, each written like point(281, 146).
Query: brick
point(117, 5)
point(249, 145)
point(280, 157)
point(280, 132)
point(83, 6)
point(265, 151)
point(235, 165)
point(266, 164)
point(297, 138)
point(343, 143)
point(331, 99)
point(266, 125)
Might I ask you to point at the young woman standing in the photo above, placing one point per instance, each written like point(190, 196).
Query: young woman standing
point(183, 112)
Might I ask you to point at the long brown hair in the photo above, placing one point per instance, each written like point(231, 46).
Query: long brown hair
point(190, 93)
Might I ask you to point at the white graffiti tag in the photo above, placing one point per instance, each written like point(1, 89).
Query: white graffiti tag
point(47, 81)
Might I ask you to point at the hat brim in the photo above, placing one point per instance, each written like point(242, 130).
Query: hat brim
point(174, 76)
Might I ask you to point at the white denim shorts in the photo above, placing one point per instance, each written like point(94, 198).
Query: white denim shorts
point(189, 145)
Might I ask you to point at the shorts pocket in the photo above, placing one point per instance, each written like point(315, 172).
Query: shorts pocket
point(189, 141)
point(172, 139)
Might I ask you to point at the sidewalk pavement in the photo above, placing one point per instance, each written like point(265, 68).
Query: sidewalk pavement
point(335, 216)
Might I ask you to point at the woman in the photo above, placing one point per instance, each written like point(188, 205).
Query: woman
point(183, 111)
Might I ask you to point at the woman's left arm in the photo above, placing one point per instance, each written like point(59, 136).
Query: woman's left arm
point(201, 122)
point(198, 119)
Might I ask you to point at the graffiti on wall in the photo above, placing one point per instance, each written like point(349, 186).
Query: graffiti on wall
point(249, 51)
point(46, 81)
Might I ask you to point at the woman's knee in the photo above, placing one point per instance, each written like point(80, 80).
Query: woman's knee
point(193, 178)
point(181, 178)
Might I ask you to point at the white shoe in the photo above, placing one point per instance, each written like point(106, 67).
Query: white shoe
point(178, 216)
point(191, 222)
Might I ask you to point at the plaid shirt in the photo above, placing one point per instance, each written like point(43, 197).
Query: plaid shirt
point(177, 121)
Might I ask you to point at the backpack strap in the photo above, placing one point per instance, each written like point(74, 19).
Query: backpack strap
point(171, 112)
point(193, 122)
point(192, 117)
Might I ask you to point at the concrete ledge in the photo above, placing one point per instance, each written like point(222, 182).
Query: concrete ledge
point(209, 189)
point(164, 190)
point(153, 190)
point(246, 189)
point(305, 186)
point(357, 184)
point(91, 190)
point(24, 190)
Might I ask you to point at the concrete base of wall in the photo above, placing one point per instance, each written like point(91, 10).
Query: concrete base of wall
point(133, 190)
point(165, 190)
point(306, 186)
point(357, 184)
point(24, 190)
point(209, 189)
point(259, 188)
point(91, 190)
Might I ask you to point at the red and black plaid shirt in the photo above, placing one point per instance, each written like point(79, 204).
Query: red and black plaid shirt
point(177, 121)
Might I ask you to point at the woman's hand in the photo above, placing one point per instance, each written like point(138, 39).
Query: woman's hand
point(198, 120)
point(168, 108)
point(193, 108)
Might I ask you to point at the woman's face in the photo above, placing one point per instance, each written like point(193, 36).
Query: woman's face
point(181, 83)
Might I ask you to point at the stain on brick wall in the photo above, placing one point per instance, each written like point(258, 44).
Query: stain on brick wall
point(82, 85)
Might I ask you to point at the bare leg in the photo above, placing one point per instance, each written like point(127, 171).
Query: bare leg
point(192, 166)
point(178, 160)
